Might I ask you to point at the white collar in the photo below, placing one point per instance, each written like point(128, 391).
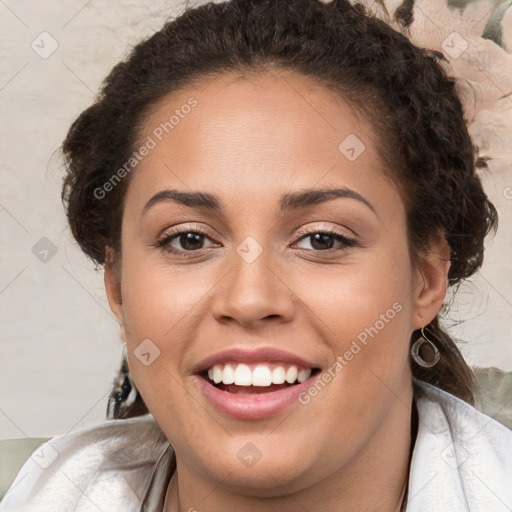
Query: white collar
point(462, 459)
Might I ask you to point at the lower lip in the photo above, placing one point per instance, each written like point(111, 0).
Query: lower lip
point(254, 406)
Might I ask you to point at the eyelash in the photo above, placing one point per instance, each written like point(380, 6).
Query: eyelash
point(174, 233)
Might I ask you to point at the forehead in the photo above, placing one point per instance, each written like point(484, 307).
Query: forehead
point(255, 134)
point(258, 103)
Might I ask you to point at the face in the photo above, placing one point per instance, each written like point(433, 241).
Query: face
point(311, 298)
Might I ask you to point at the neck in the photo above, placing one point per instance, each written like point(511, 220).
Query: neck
point(376, 478)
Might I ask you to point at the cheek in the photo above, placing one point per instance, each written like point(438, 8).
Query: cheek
point(351, 298)
point(163, 308)
point(160, 300)
point(363, 313)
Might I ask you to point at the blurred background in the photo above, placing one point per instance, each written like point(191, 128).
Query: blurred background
point(59, 342)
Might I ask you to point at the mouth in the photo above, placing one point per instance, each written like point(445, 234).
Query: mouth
point(253, 384)
point(256, 378)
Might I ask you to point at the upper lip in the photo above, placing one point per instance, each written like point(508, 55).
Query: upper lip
point(246, 355)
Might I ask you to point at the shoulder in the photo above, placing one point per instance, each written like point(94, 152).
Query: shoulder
point(462, 458)
point(106, 467)
point(466, 419)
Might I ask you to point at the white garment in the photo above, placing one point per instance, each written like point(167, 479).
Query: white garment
point(462, 461)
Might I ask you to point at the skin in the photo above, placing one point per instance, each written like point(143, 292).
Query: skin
point(249, 141)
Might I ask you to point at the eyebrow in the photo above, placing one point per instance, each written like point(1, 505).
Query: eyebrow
point(288, 201)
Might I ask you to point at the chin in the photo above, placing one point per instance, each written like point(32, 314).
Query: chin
point(266, 478)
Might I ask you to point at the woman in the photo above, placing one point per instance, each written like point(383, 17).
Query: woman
point(280, 193)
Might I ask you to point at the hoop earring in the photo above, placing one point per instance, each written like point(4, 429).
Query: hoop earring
point(123, 392)
point(422, 348)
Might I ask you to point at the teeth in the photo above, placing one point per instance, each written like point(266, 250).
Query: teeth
point(291, 374)
point(243, 375)
point(217, 374)
point(278, 375)
point(228, 375)
point(262, 375)
point(304, 375)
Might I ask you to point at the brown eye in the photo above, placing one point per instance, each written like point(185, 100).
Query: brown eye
point(185, 240)
point(325, 240)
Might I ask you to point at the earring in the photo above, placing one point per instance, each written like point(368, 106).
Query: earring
point(424, 352)
point(125, 356)
point(123, 392)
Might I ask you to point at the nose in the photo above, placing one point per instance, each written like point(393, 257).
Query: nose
point(253, 292)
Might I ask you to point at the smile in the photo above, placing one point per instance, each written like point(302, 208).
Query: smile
point(249, 402)
point(261, 375)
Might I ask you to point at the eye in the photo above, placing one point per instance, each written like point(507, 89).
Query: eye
point(191, 239)
point(183, 240)
point(324, 240)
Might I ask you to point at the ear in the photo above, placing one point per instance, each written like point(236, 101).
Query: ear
point(112, 279)
point(431, 282)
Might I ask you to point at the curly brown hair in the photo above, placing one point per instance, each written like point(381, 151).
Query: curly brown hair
point(403, 90)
